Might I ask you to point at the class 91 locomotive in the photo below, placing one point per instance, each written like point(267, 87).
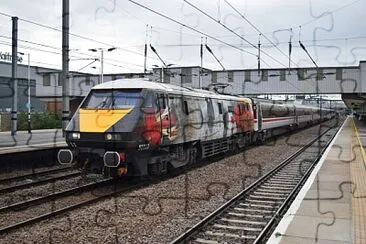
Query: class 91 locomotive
point(137, 127)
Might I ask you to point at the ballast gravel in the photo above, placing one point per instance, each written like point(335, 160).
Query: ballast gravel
point(161, 212)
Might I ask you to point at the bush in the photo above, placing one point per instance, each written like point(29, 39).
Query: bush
point(45, 120)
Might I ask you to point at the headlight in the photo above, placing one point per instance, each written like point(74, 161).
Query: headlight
point(110, 137)
point(75, 135)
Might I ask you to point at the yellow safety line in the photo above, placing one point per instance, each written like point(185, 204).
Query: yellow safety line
point(363, 153)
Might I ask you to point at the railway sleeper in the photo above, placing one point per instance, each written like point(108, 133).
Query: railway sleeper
point(242, 221)
point(266, 198)
point(288, 173)
point(284, 175)
point(280, 182)
point(220, 237)
point(284, 186)
point(199, 240)
point(269, 201)
point(248, 216)
point(286, 178)
point(273, 187)
point(256, 205)
point(269, 194)
point(253, 210)
point(260, 191)
point(234, 227)
point(234, 230)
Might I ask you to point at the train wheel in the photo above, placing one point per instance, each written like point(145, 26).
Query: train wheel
point(234, 147)
point(262, 137)
point(159, 167)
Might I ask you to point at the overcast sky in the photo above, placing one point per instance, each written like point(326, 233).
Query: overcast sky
point(333, 31)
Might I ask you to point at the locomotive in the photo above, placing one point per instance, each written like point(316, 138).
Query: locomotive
point(136, 127)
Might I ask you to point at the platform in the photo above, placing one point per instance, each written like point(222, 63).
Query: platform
point(37, 140)
point(331, 207)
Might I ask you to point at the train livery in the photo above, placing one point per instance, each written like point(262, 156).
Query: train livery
point(138, 127)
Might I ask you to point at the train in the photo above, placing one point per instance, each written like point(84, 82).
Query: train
point(136, 127)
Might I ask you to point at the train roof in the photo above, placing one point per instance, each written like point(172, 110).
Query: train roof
point(143, 83)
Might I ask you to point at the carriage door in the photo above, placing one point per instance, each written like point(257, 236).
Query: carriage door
point(164, 118)
point(260, 116)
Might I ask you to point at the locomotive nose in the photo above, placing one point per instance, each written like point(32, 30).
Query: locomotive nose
point(65, 156)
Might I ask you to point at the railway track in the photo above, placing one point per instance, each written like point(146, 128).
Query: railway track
point(34, 174)
point(252, 214)
point(55, 196)
point(37, 180)
point(107, 188)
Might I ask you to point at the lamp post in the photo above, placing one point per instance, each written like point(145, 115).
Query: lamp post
point(29, 101)
point(101, 58)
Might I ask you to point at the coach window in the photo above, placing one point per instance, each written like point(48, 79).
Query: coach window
point(220, 107)
point(230, 109)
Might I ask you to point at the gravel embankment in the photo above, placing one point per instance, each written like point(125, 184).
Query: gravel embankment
point(161, 212)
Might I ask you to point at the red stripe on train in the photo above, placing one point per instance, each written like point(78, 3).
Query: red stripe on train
point(274, 119)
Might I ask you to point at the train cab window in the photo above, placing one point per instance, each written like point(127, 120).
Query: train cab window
point(150, 103)
point(220, 107)
point(112, 99)
point(185, 107)
point(162, 102)
point(148, 100)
